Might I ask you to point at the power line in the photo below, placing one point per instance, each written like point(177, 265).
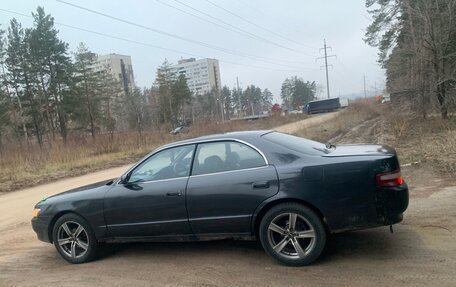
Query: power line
point(225, 50)
point(102, 34)
point(242, 30)
point(148, 28)
point(326, 64)
point(203, 19)
point(149, 45)
point(270, 60)
point(279, 21)
point(258, 67)
point(256, 25)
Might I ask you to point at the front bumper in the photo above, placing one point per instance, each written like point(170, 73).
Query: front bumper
point(41, 228)
point(391, 203)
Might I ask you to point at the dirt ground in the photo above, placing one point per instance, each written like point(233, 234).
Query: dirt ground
point(312, 121)
point(421, 252)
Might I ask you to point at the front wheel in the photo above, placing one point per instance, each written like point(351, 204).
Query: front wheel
point(292, 234)
point(74, 239)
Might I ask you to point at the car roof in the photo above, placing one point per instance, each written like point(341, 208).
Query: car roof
point(239, 135)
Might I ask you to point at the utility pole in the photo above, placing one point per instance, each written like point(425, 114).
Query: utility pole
point(325, 48)
point(365, 96)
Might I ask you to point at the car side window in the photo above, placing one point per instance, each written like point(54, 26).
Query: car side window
point(166, 164)
point(225, 156)
point(242, 156)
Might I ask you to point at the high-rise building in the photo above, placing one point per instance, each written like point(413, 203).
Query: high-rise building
point(202, 75)
point(120, 67)
point(121, 70)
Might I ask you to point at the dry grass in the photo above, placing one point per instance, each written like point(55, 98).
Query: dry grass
point(429, 141)
point(352, 116)
point(29, 165)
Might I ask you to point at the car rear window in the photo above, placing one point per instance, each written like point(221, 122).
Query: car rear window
point(297, 143)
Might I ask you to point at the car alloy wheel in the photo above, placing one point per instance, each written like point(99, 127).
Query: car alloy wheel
point(293, 234)
point(74, 239)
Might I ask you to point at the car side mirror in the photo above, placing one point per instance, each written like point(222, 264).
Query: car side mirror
point(124, 178)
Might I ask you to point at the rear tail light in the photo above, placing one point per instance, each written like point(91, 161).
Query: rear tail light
point(393, 178)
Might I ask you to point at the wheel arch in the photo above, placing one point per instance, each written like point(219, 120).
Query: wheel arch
point(54, 220)
point(259, 216)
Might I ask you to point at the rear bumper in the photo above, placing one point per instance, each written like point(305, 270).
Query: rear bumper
point(41, 228)
point(391, 204)
point(388, 208)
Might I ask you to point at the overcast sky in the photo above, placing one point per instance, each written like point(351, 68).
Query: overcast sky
point(296, 32)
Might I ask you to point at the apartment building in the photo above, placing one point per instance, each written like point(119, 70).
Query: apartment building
point(202, 75)
point(120, 67)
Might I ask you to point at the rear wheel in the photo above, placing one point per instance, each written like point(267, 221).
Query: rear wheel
point(292, 234)
point(74, 239)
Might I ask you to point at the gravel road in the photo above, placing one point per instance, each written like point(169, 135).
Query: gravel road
point(421, 252)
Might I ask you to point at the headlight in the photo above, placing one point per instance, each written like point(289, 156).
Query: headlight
point(36, 212)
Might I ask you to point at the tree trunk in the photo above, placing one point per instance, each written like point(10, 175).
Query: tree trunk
point(33, 106)
point(89, 109)
point(49, 120)
point(441, 97)
point(61, 116)
point(24, 128)
point(10, 99)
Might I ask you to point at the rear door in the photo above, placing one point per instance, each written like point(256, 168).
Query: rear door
point(229, 180)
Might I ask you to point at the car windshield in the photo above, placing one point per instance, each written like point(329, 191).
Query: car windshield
point(297, 143)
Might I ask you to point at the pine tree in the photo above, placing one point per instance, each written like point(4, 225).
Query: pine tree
point(181, 95)
point(135, 110)
point(6, 104)
point(111, 102)
point(266, 100)
point(227, 101)
point(417, 47)
point(164, 81)
point(52, 66)
point(87, 96)
point(296, 93)
point(236, 97)
point(21, 79)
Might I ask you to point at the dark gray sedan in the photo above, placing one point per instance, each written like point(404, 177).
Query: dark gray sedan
point(286, 191)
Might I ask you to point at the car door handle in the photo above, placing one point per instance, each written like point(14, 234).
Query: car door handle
point(261, 184)
point(178, 193)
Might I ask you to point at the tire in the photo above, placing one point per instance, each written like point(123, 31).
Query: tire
point(295, 244)
point(74, 239)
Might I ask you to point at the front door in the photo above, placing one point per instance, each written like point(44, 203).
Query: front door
point(152, 200)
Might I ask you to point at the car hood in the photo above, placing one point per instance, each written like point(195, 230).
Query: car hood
point(361, 150)
point(83, 191)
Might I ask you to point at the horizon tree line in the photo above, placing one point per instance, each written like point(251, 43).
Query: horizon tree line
point(48, 93)
point(417, 48)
